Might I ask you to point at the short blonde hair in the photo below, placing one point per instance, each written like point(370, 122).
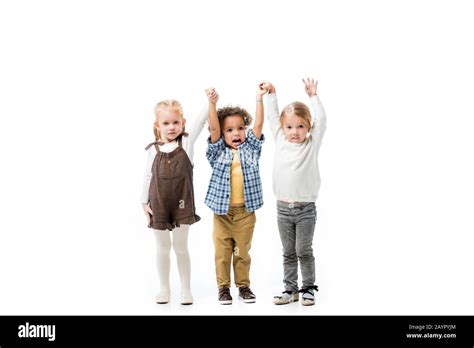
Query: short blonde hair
point(297, 109)
point(170, 104)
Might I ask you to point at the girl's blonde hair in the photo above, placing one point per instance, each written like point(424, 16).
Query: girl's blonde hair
point(170, 104)
point(297, 109)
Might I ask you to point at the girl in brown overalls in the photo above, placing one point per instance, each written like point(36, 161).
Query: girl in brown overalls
point(168, 195)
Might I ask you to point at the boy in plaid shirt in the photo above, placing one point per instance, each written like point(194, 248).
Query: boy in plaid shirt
point(235, 190)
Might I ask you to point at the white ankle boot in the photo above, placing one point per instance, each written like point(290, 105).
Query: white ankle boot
point(186, 297)
point(163, 297)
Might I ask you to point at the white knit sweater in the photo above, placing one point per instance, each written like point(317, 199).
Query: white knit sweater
point(295, 166)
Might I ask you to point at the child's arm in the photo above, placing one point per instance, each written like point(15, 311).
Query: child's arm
point(146, 185)
point(197, 125)
point(214, 125)
point(319, 115)
point(258, 125)
point(272, 105)
point(148, 212)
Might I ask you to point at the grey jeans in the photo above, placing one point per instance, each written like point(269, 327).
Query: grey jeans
point(296, 222)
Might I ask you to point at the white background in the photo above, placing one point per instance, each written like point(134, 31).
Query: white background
point(78, 84)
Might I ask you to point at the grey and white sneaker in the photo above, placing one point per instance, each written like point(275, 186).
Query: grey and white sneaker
point(286, 297)
point(307, 299)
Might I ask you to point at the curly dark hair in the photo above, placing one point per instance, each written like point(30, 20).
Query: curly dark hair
point(230, 110)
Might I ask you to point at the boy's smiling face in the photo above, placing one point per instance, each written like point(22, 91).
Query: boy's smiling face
point(233, 129)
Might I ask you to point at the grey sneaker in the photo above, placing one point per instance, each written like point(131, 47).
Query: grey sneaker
point(286, 297)
point(246, 295)
point(224, 296)
point(307, 299)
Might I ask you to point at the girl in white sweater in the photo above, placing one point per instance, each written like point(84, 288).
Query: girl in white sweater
point(296, 184)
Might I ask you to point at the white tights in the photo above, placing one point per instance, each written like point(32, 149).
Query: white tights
point(180, 246)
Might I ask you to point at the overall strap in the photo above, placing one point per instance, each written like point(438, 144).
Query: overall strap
point(150, 145)
point(156, 143)
point(180, 138)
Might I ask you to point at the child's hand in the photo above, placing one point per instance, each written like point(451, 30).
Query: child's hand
point(268, 86)
point(262, 88)
point(310, 86)
point(148, 211)
point(212, 95)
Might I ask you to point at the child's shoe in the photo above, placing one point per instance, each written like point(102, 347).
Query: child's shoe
point(163, 297)
point(246, 295)
point(224, 296)
point(286, 297)
point(307, 299)
point(186, 297)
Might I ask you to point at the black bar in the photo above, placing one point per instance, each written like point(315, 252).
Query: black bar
point(240, 330)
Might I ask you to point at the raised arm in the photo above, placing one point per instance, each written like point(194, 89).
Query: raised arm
point(197, 125)
point(262, 88)
point(214, 125)
point(272, 106)
point(319, 115)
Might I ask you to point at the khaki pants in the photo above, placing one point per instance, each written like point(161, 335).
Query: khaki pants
point(233, 237)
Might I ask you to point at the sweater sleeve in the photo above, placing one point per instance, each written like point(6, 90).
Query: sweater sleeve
point(194, 130)
point(319, 119)
point(147, 176)
point(196, 126)
point(273, 114)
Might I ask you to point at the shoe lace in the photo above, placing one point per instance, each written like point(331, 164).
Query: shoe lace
point(284, 292)
point(224, 294)
point(246, 291)
point(224, 291)
point(307, 288)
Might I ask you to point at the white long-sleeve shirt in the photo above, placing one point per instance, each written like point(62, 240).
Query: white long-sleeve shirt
point(295, 166)
point(187, 143)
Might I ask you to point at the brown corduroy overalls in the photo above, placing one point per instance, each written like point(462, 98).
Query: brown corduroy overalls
point(171, 194)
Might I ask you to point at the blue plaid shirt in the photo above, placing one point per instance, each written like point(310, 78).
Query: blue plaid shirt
point(220, 157)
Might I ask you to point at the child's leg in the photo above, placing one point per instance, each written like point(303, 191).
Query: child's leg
point(223, 245)
point(180, 246)
point(287, 229)
point(163, 246)
point(305, 224)
point(244, 224)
